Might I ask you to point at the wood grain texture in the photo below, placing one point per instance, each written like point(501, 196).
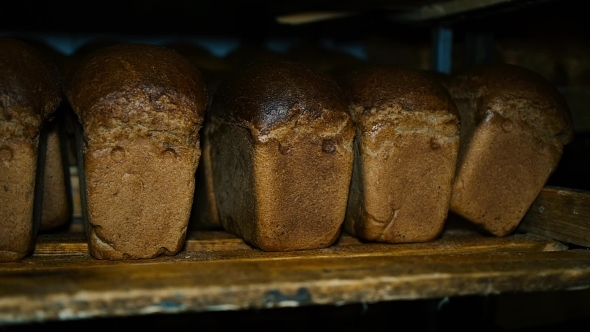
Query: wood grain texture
point(560, 214)
point(217, 271)
point(220, 244)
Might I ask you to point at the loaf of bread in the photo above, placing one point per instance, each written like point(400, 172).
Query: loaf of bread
point(30, 91)
point(406, 145)
point(204, 215)
point(514, 125)
point(57, 207)
point(281, 156)
point(141, 108)
point(57, 204)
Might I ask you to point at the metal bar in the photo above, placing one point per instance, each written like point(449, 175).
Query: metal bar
point(441, 50)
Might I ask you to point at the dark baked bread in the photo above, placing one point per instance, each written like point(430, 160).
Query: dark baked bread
point(514, 125)
point(29, 91)
point(281, 156)
point(141, 108)
point(56, 209)
point(406, 145)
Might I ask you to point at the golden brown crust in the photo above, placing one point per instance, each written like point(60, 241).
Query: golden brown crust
point(56, 207)
point(380, 87)
point(265, 94)
point(30, 88)
point(18, 163)
point(141, 108)
point(131, 84)
point(510, 90)
point(29, 92)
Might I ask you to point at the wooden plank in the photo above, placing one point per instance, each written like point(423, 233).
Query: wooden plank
point(560, 214)
point(218, 271)
point(223, 243)
point(71, 292)
point(61, 244)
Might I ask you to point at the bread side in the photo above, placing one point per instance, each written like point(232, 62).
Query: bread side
point(56, 209)
point(281, 154)
point(29, 92)
point(18, 159)
point(405, 155)
point(204, 214)
point(515, 125)
point(141, 108)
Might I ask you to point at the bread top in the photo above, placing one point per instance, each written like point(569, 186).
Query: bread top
point(30, 88)
point(515, 93)
point(376, 88)
point(265, 94)
point(137, 84)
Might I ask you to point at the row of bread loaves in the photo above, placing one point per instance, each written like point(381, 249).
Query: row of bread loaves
point(484, 151)
point(291, 155)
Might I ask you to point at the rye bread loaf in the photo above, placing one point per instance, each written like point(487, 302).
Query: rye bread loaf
point(141, 108)
point(514, 126)
point(204, 214)
point(281, 156)
point(57, 203)
point(406, 145)
point(57, 206)
point(29, 92)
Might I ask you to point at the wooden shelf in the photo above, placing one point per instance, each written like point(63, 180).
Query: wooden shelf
point(217, 271)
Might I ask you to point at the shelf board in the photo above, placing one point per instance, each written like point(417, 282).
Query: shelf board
point(217, 271)
point(561, 214)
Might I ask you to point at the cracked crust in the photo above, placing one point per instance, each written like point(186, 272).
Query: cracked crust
point(515, 126)
point(406, 149)
point(288, 143)
point(29, 92)
point(141, 108)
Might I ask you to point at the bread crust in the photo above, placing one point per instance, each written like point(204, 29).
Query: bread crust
point(515, 125)
point(405, 154)
point(141, 108)
point(129, 85)
point(379, 87)
point(29, 92)
point(515, 93)
point(56, 203)
point(266, 94)
point(30, 88)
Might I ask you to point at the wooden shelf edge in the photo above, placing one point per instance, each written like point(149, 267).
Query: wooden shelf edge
point(196, 286)
point(561, 214)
